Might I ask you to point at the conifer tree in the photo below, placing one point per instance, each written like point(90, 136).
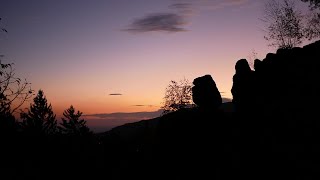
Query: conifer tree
point(40, 118)
point(71, 123)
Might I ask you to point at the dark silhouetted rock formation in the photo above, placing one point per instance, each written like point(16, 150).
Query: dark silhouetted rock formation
point(274, 133)
point(205, 93)
point(283, 127)
point(243, 87)
point(286, 81)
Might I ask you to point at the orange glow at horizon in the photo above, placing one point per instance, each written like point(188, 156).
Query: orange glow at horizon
point(79, 57)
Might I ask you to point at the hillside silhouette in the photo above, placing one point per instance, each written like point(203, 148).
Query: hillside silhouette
point(270, 130)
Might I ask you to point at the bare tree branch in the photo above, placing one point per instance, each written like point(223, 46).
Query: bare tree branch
point(284, 25)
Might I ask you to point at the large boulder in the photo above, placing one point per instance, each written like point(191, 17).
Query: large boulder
point(205, 93)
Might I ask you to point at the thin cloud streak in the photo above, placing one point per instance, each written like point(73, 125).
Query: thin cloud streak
point(165, 22)
point(218, 4)
point(115, 94)
point(200, 5)
point(185, 9)
point(142, 105)
point(181, 5)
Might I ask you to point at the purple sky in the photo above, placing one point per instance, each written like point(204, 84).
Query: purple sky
point(80, 52)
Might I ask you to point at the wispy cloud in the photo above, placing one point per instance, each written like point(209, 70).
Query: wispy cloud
point(179, 17)
point(165, 22)
point(143, 105)
point(181, 6)
point(185, 9)
point(217, 4)
point(201, 5)
point(115, 94)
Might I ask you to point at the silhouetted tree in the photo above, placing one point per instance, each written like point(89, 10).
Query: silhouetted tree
point(312, 29)
point(72, 125)
point(251, 57)
point(312, 26)
point(313, 3)
point(7, 121)
point(40, 118)
point(13, 94)
point(2, 28)
point(178, 95)
point(13, 91)
point(284, 25)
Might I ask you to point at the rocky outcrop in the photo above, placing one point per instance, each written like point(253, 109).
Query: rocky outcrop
point(275, 135)
point(291, 76)
point(243, 87)
point(205, 93)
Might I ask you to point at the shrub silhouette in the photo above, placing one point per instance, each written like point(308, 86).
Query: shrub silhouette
point(177, 96)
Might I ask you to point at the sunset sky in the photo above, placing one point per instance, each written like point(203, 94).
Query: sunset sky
point(105, 56)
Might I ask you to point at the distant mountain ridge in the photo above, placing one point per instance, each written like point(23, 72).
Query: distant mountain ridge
point(132, 130)
point(136, 115)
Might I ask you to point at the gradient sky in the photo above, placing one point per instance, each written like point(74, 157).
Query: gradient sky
point(81, 51)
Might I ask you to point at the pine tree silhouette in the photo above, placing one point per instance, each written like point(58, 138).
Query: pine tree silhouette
point(72, 125)
point(40, 118)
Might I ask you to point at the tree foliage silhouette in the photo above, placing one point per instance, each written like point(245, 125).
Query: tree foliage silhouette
point(313, 3)
point(13, 91)
point(312, 25)
point(2, 28)
point(71, 123)
point(13, 94)
point(178, 95)
point(284, 24)
point(40, 118)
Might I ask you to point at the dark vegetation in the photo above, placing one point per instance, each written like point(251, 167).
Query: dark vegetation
point(271, 133)
point(286, 26)
point(178, 95)
point(270, 130)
